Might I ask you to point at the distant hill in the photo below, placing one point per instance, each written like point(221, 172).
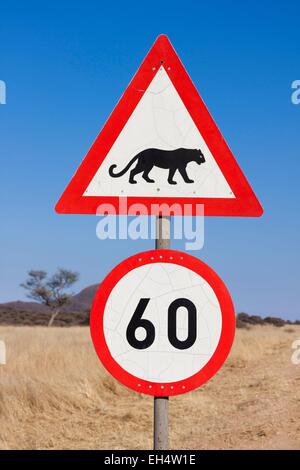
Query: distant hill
point(83, 300)
point(78, 302)
point(77, 312)
point(243, 320)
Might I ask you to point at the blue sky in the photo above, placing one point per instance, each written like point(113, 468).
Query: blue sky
point(66, 64)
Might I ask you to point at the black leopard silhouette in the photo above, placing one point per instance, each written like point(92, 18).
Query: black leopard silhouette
point(172, 160)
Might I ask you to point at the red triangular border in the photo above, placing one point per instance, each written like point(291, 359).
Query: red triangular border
point(245, 202)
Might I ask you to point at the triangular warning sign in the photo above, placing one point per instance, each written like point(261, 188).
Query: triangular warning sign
point(160, 145)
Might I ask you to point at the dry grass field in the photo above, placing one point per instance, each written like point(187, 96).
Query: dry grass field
point(54, 394)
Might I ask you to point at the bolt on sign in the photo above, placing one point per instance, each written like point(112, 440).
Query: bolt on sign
point(160, 145)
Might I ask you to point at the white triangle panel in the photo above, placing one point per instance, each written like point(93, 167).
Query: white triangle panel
point(160, 121)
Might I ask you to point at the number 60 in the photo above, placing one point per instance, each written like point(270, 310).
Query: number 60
point(138, 322)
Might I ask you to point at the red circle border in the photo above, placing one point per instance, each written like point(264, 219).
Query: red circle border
point(227, 333)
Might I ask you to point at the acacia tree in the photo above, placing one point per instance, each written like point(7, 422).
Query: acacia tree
point(50, 291)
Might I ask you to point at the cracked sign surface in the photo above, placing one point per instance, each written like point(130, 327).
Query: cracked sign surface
point(160, 121)
point(165, 324)
point(162, 283)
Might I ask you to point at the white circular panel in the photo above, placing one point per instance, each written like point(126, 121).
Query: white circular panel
point(162, 284)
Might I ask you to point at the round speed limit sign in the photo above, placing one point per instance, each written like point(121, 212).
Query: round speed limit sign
point(162, 322)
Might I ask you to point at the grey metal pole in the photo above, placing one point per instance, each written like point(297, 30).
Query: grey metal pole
point(161, 404)
point(163, 232)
